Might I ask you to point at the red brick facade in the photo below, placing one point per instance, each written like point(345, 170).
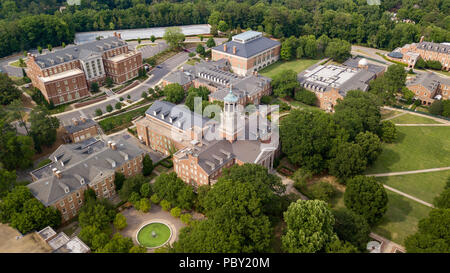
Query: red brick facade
point(65, 82)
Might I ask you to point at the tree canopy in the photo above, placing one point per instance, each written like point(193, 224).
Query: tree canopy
point(366, 197)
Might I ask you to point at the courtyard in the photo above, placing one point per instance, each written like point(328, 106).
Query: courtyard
point(137, 220)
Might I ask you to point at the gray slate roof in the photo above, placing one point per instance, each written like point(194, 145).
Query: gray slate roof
point(215, 74)
point(248, 49)
point(353, 62)
point(90, 160)
point(430, 80)
point(177, 115)
point(72, 128)
point(74, 52)
point(436, 47)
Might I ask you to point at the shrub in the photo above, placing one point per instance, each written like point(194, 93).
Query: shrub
point(144, 205)
point(191, 54)
point(266, 99)
point(388, 131)
point(322, 191)
point(120, 222)
point(186, 218)
point(305, 96)
point(167, 163)
point(300, 177)
point(165, 205)
point(98, 112)
point(155, 199)
point(118, 105)
point(175, 212)
point(121, 98)
point(436, 107)
point(109, 108)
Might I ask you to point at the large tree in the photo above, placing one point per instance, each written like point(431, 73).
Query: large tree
point(171, 188)
point(174, 37)
point(433, 235)
point(370, 144)
point(7, 181)
point(130, 185)
point(43, 127)
point(366, 197)
point(348, 161)
point(285, 83)
point(358, 112)
point(338, 50)
point(8, 91)
point(306, 138)
point(309, 227)
point(174, 92)
point(351, 227)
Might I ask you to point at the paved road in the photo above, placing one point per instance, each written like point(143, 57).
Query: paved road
point(135, 93)
point(370, 53)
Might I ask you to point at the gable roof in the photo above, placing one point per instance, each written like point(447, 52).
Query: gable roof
point(249, 49)
point(75, 52)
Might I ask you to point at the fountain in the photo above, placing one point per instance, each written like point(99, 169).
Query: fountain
point(153, 234)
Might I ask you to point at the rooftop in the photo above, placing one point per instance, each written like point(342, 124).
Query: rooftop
point(247, 44)
point(73, 52)
point(62, 75)
point(79, 125)
point(430, 81)
point(79, 164)
point(216, 74)
point(344, 78)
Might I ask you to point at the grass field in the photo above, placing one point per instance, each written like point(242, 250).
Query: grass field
point(146, 44)
point(296, 65)
point(416, 148)
point(401, 218)
point(146, 238)
point(122, 121)
point(424, 186)
point(413, 119)
point(385, 113)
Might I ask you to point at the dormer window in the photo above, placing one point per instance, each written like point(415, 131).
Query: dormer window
point(82, 181)
point(66, 190)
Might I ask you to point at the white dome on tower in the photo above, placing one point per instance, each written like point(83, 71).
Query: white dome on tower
point(363, 62)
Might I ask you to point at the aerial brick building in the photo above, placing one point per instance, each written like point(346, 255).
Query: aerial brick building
point(428, 51)
point(77, 167)
point(67, 74)
point(428, 87)
point(248, 52)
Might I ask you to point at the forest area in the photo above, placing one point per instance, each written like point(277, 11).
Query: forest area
point(26, 24)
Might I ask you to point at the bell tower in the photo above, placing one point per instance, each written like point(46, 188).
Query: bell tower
point(229, 124)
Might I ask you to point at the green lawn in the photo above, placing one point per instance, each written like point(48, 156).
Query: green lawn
point(121, 121)
point(146, 238)
point(17, 64)
point(296, 65)
point(401, 218)
point(416, 148)
point(385, 113)
point(424, 186)
point(413, 119)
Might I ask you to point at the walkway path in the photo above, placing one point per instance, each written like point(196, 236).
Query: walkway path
point(423, 124)
point(409, 172)
point(290, 186)
point(395, 116)
point(418, 114)
point(409, 196)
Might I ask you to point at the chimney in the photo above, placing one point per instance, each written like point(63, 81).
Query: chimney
point(113, 146)
point(58, 174)
point(421, 38)
point(115, 34)
point(83, 119)
point(75, 121)
point(119, 35)
point(109, 143)
point(54, 170)
point(225, 47)
point(234, 49)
